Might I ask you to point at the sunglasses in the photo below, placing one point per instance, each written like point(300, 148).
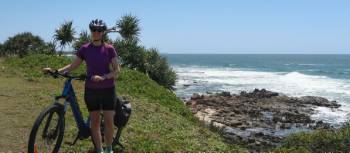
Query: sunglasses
point(97, 29)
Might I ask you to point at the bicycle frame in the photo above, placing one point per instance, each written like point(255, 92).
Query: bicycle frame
point(69, 95)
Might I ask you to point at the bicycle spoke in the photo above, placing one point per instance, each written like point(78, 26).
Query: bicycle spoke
point(48, 133)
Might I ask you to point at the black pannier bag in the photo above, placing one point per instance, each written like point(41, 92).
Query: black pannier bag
point(122, 112)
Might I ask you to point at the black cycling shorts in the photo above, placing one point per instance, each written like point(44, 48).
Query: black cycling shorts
point(100, 99)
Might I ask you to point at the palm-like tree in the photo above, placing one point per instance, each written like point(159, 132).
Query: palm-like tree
point(84, 37)
point(51, 47)
point(65, 34)
point(129, 27)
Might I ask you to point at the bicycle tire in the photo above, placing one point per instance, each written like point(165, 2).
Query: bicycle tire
point(55, 108)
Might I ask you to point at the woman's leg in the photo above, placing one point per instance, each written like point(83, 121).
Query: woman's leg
point(108, 105)
point(95, 129)
point(109, 126)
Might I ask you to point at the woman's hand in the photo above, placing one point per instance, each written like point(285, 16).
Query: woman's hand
point(47, 70)
point(97, 78)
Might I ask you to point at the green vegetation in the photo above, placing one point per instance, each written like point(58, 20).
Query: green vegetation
point(84, 37)
point(147, 61)
point(65, 34)
point(30, 66)
point(157, 69)
point(138, 57)
point(25, 43)
point(159, 123)
point(335, 140)
point(129, 27)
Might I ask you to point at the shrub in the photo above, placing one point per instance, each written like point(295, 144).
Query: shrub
point(131, 54)
point(23, 43)
point(336, 140)
point(158, 69)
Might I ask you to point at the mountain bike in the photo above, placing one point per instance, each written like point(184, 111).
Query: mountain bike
point(48, 130)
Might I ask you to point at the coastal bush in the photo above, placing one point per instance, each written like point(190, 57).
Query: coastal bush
point(84, 37)
point(334, 140)
point(2, 53)
point(22, 44)
point(131, 54)
point(159, 70)
point(49, 48)
point(298, 149)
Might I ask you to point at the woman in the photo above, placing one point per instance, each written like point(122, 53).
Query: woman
point(100, 89)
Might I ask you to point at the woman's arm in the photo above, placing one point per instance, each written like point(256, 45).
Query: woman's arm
point(113, 74)
point(70, 67)
point(115, 69)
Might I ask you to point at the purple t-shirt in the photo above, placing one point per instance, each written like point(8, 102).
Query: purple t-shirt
point(97, 59)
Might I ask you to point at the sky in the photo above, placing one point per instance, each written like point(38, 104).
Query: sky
point(198, 26)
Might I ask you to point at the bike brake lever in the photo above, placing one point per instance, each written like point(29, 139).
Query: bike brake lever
point(55, 74)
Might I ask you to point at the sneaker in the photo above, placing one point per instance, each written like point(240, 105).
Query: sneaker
point(100, 151)
point(108, 151)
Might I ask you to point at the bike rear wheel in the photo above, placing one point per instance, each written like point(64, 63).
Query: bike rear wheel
point(47, 132)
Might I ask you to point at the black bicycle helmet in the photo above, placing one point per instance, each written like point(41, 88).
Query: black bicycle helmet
point(97, 23)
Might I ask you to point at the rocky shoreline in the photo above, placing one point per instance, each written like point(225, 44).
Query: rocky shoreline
point(258, 120)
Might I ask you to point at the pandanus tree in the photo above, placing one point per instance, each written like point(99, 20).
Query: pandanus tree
point(129, 27)
point(65, 35)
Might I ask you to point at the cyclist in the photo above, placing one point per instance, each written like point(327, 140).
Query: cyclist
point(102, 68)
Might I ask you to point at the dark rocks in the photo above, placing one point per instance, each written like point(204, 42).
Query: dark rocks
point(186, 85)
point(322, 125)
point(195, 96)
point(257, 119)
point(318, 101)
point(225, 94)
point(209, 93)
point(263, 93)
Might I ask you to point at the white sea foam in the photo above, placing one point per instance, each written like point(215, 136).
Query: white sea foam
point(309, 64)
point(301, 64)
point(291, 84)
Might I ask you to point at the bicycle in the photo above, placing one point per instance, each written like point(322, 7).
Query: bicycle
point(53, 120)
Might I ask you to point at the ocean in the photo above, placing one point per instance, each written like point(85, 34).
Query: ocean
point(294, 75)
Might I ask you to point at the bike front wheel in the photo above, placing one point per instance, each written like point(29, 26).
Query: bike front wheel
point(47, 132)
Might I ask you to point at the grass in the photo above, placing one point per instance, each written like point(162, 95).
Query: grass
point(159, 123)
point(335, 140)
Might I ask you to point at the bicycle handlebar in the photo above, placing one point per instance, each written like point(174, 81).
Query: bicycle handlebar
point(56, 74)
